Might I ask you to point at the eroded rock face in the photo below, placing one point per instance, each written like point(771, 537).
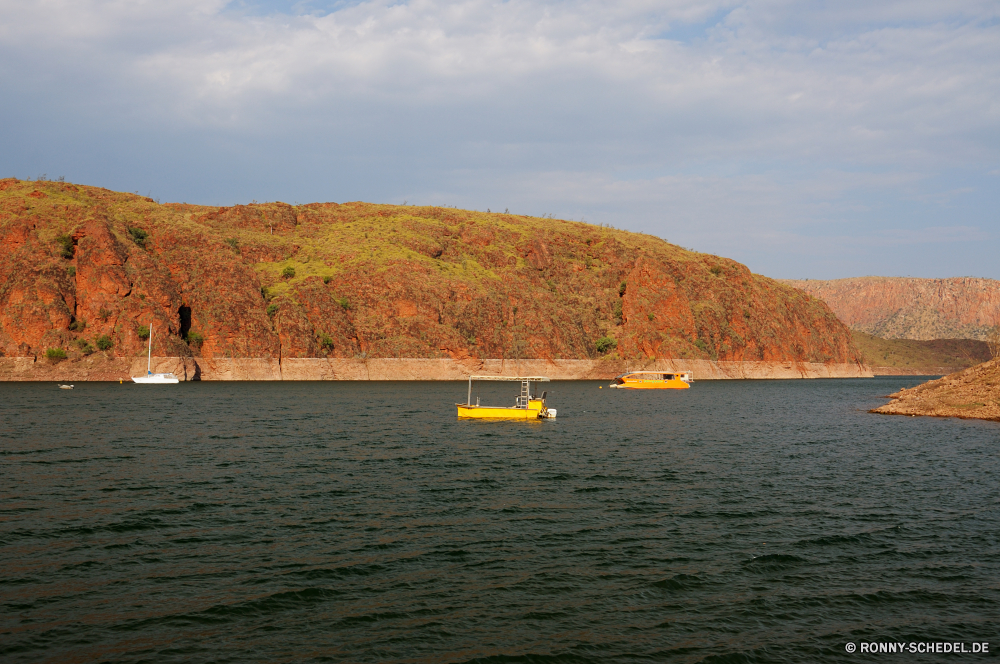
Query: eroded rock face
point(908, 308)
point(655, 311)
point(538, 255)
point(375, 281)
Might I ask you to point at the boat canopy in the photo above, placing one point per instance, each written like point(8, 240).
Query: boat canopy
point(520, 379)
point(525, 381)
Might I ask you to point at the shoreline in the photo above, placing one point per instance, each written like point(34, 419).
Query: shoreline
point(919, 371)
point(99, 367)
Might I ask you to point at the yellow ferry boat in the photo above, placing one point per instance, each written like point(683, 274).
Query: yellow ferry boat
point(526, 406)
point(654, 380)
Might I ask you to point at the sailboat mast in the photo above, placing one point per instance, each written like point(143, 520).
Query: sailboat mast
point(149, 358)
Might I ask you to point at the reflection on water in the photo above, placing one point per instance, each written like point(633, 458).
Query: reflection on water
point(768, 521)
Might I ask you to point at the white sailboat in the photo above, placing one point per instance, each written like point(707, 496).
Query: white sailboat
point(150, 377)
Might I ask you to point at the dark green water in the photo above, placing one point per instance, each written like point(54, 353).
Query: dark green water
point(743, 521)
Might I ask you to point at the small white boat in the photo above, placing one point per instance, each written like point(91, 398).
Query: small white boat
point(160, 378)
point(65, 387)
point(150, 377)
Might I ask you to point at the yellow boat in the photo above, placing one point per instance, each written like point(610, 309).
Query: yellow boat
point(526, 406)
point(654, 380)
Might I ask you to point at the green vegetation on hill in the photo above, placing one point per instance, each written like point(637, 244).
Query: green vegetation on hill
point(914, 354)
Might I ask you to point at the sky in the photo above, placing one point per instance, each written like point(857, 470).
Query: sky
point(813, 140)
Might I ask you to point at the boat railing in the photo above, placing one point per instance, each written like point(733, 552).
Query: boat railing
point(522, 399)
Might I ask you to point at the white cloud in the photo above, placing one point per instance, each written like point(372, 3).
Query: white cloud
point(735, 115)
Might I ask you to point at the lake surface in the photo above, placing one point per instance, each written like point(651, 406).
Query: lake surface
point(738, 521)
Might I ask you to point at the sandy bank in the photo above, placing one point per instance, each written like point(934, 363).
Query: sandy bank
point(100, 367)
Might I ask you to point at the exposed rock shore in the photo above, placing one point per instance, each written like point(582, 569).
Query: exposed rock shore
point(84, 269)
point(99, 367)
point(919, 371)
point(973, 393)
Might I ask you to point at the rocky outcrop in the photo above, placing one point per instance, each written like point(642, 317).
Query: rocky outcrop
point(973, 393)
point(86, 270)
point(907, 308)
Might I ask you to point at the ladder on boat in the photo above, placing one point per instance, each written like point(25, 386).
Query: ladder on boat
point(522, 399)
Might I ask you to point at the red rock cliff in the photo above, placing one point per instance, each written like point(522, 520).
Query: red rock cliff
point(81, 265)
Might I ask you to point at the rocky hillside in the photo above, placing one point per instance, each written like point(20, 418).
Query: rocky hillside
point(86, 270)
point(905, 308)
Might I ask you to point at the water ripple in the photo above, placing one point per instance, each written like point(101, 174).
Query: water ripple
point(758, 521)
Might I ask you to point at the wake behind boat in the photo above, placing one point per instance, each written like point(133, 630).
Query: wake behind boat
point(150, 377)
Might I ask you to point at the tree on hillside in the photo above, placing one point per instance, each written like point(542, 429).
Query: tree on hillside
point(993, 339)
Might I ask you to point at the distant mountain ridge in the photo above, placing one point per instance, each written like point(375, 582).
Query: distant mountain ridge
point(911, 308)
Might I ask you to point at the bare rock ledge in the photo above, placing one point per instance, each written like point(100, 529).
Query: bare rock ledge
point(973, 393)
